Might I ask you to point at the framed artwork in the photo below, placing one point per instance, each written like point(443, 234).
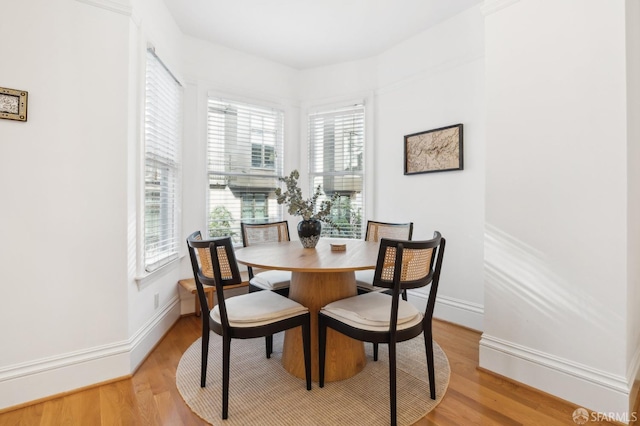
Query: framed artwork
point(436, 150)
point(13, 104)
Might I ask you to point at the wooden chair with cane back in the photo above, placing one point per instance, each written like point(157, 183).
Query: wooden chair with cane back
point(377, 318)
point(247, 316)
point(375, 232)
point(259, 233)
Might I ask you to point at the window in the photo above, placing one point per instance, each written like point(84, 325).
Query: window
point(244, 153)
point(336, 163)
point(162, 144)
point(263, 156)
point(255, 206)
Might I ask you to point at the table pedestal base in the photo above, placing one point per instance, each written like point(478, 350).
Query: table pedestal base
point(344, 356)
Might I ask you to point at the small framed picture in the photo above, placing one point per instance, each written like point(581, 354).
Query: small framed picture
point(436, 150)
point(13, 104)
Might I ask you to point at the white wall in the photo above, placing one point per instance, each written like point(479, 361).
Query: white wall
point(421, 84)
point(562, 287)
point(326, 84)
point(633, 194)
point(63, 180)
point(76, 164)
point(556, 199)
point(217, 70)
point(425, 84)
point(92, 93)
point(150, 25)
point(203, 68)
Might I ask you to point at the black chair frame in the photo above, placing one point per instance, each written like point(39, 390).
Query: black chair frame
point(393, 336)
point(223, 328)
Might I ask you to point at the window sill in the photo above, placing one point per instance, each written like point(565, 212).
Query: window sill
point(148, 278)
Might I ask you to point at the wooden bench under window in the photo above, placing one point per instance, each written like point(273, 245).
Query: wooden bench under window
point(189, 284)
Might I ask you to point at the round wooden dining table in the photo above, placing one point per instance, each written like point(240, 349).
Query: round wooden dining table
point(318, 276)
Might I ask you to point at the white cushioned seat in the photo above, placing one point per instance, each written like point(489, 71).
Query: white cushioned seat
point(371, 311)
point(272, 280)
point(258, 308)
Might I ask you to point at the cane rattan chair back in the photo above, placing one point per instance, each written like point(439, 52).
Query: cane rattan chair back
point(377, 318)
point(375, 232)
point(260, 233)
point(272, 232)
point(202, 266)
point(395, 231)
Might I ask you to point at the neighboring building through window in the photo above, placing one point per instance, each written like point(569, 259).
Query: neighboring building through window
point(162, 146)
point(255, 206)
point(336, 163)
point(244, 157)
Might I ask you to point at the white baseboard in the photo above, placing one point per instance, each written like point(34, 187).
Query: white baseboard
point(453, 310)
point(30, 381)
point(143, 342)
point(592, 389)
point(21, 383)
point(634, 378)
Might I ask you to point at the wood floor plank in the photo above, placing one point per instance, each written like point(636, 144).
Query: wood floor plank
point(82, 408)
point(52, 412)
point(147, 407)
point(150, 397)
point(463, 410)
point(117, 404)
point(501, 400)
point(28, 416)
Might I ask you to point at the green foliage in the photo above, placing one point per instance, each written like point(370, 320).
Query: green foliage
point(301, 207)
point(346, 221)
point(220, 222)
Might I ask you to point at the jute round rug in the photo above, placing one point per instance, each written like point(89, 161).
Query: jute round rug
point(262, 392)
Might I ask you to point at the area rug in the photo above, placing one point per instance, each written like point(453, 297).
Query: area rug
point(262, 392)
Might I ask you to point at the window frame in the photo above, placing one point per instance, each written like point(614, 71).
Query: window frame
point(263, 170)
point(366, 102)
point(173, 164)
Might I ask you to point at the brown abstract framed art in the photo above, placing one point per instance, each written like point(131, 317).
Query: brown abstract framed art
point(436, 150)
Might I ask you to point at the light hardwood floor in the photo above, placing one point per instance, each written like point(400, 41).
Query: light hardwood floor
point(150, 397)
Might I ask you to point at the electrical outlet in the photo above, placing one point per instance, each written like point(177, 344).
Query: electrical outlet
point(156, 300)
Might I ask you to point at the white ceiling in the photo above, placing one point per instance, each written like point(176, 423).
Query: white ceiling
point(311, 33)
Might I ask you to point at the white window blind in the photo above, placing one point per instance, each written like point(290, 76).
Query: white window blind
point(162, 145)
point(336, 163)
point(244, 152)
